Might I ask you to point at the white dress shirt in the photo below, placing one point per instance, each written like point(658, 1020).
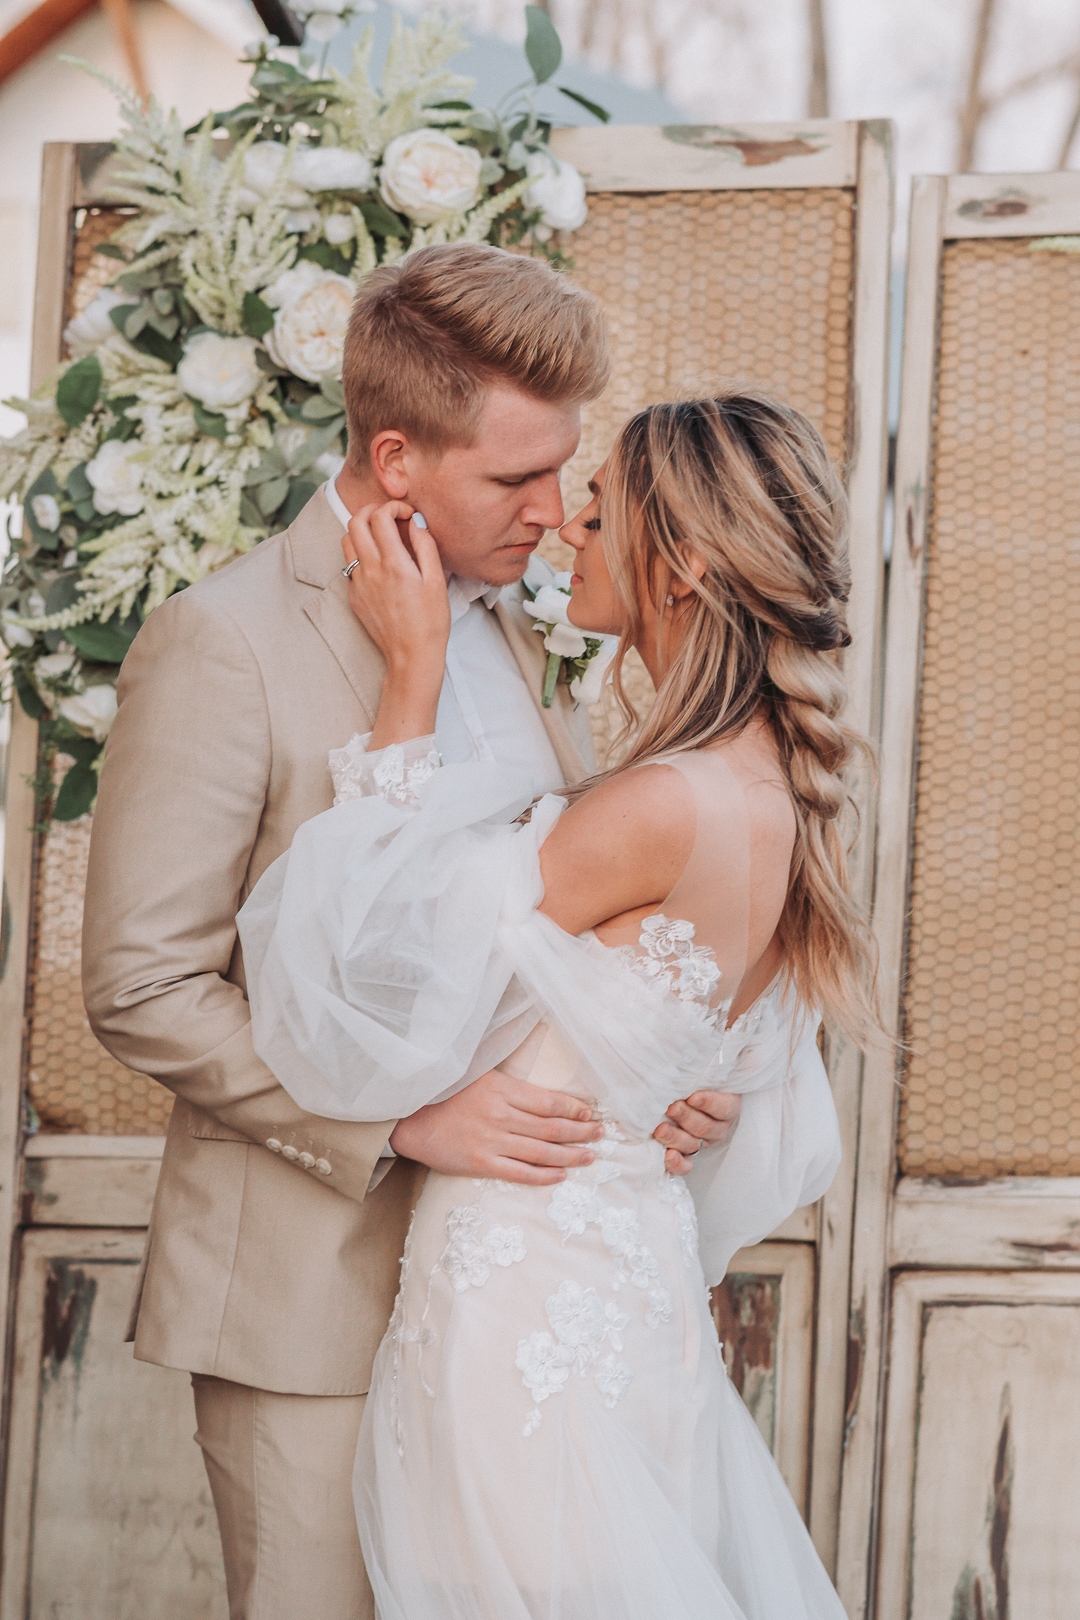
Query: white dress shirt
point(486, 710)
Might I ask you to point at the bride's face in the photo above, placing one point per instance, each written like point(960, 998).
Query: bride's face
point(594, 603)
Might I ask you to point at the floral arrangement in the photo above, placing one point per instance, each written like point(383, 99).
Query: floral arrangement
point(201, 405)
point(581, 660)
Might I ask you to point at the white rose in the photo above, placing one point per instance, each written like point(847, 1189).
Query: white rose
point(549, 605)
point(329, 464)
point(13, 634)
point(587, 688)
point(338, 228)
point(427, 175)
point(54, 666)
point(117, 477)
point(313, 307)
point(262, 165)
point(301, 220)
point(46, 512)
point(89, 330)
point(557, 190)
point(91, 712)
point(331, 168)
point(219, 371)
point(565, 640)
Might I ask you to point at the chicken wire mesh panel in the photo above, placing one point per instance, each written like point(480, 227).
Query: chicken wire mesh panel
point(705, 289)
point(72, 1082)
point(993, 987)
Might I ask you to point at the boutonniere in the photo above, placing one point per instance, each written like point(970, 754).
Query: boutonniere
point(581, 660)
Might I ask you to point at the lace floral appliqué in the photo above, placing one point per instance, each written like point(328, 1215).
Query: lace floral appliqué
point(396, 773)
point(673, 964)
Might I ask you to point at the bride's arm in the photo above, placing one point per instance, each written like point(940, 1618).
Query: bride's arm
point(398, 592)
point(610, 859)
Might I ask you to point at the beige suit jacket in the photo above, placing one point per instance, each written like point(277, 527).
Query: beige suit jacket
point(262, 1267)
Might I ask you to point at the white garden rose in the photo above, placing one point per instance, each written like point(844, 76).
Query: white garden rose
point(116, 477)
point(55, 666)
point(12, 633)
point(262, 166)
point(557, 190)
point(330, 168)
point(219, 371)
point(46, 512)
point(91, 712)
point(89, 330)
point(427, 175)
point(313, 307)
point(301, 220)
point(588, 687)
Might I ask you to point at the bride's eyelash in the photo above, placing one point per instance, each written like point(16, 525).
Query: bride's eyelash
point(593, 523)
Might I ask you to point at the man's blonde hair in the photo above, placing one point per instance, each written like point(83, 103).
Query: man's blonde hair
point(427, 336)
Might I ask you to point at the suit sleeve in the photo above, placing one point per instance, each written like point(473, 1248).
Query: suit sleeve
point(182, 793)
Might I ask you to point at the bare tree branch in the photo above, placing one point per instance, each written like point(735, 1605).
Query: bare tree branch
point(973, 109)
point(817, 91)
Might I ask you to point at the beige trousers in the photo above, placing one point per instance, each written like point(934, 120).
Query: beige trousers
point(280, 1470)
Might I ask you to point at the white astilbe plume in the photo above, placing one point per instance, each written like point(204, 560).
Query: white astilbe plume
point(414, 77)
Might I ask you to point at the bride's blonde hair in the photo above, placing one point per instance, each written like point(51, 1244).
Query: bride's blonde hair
point(745, 484)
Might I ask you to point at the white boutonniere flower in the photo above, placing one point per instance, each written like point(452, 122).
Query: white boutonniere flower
point(583, 660)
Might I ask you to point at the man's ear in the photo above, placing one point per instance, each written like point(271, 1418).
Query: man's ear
point(389, 450)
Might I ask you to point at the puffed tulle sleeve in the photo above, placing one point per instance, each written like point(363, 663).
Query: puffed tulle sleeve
point(786, 1147)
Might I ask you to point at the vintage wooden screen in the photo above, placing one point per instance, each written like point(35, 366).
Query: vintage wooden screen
point(757, 255)
point(968, 1205)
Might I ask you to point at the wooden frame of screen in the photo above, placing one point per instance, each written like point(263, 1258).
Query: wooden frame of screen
point(916, 1221)
point(856, 155)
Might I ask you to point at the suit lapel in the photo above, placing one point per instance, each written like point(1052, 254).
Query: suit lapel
point(528, 648)
point(315, 544)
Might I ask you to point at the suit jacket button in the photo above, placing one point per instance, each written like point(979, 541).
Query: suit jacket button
point(323, 1166)
point(289, 1152)
point(273, 1144)
point(307, 1160)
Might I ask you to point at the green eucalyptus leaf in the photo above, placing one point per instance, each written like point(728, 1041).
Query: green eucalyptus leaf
point(28, 694)
point(163, 300)
point(324, 439)
point(44, 484)
point(210, 422)
point(79, 486)
point(162, 348)
point(331, 389)
point(76, 794)
point(381, 222)
point(102, 643)
point(271, 465)
point(136, 321)
point(250, 516)
point(121, 314)
point(543, 48)
point(109, 250)
point(318, 409)
point(269, 496)
point(257, 316)
point(589, 106)
point(78, 390)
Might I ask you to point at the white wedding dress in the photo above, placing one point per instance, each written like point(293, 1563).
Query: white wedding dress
point(550, 1433)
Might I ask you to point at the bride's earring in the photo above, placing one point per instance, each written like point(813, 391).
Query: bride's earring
point(670, 600)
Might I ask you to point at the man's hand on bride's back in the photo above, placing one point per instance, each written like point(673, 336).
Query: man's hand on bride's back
point(503, 1128)
point(705, 1119)
point(397, 589)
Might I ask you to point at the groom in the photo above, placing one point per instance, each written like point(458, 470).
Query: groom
point(272, 1258)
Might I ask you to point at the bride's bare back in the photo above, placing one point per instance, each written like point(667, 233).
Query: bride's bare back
point(705, 837)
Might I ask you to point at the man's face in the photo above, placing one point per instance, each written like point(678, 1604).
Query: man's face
point(488, 503)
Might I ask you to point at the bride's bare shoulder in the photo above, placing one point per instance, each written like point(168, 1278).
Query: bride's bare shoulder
point(621, 845)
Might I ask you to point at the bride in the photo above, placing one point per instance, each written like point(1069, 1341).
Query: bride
point(550, 1430)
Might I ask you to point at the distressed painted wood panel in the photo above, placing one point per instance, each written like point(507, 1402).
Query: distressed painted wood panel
point(108, 1511)
point(981, 1498)
point(764, 1314)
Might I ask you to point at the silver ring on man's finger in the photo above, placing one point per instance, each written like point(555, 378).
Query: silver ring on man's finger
point(354, 564)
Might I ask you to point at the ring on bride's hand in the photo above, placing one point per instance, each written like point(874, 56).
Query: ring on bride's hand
point(354, 564)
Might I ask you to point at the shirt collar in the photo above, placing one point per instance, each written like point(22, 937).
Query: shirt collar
point(463, 592)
